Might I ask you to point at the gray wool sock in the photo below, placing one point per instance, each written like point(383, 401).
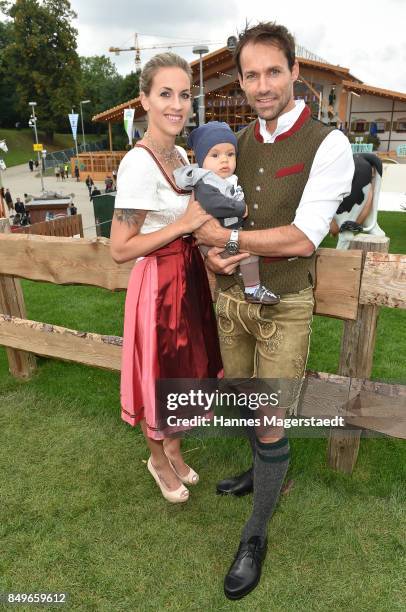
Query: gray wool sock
point(270, 467)
point(249, 431)
point(252, 439)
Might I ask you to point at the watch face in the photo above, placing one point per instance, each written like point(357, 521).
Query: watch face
point(232, 248)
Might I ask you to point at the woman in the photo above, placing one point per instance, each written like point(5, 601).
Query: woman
point(168, 299)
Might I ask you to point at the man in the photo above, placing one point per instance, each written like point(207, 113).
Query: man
point(294, 172)
point(19, 207)
point(95, 192)
point(72, 210)
point(9, 201)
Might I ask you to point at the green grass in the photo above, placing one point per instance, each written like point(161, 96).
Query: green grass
point(80, 513)
point(19, 143)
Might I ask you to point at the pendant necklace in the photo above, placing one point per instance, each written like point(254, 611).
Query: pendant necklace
point(169, 156)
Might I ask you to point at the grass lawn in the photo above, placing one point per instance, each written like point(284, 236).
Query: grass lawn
point(80, 513)
point(19, 143)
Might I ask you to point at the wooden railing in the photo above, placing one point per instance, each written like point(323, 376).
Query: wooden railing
point(68, 226)
point(350, 285)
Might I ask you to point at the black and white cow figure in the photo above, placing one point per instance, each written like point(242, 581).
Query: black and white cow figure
point(358, 212)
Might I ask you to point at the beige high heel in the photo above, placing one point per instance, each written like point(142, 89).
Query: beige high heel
point(178, 496)
point(191, 478)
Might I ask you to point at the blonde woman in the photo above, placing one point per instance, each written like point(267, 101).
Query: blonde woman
point(168, 299)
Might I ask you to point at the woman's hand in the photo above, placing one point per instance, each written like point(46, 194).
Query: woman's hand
point(193, 218)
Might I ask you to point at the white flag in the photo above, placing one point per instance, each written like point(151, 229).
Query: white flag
point(73, 118)
point(128, 123)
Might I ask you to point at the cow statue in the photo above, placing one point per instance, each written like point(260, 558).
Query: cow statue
point(358, 212)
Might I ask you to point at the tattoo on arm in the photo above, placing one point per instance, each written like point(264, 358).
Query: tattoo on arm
point(133, 217)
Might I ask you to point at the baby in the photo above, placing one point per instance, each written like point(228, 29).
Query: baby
point(217, 191)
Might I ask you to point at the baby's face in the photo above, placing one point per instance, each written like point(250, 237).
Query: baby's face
point(221, 160)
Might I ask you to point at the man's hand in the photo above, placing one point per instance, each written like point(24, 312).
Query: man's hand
point(218, 265)
point(212, 234)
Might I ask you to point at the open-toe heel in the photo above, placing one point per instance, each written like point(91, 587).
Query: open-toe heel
point(178, 496)
point(191, 478)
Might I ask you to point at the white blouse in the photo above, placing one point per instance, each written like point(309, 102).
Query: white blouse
point(143, 185)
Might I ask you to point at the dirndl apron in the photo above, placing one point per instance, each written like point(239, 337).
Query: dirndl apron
point(169, 330)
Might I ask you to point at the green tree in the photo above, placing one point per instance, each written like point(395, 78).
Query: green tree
point(43, 58)
point(130, 87)
point(101, 84)
point(8, 113)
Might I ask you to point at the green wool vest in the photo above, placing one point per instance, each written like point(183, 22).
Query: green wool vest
point(273, 177)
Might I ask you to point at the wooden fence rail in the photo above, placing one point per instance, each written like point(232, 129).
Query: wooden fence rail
point(350, 285)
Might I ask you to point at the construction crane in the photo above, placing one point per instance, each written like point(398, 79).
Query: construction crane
point(138, 49)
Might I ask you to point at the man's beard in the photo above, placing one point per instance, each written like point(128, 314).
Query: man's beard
point(276, 111)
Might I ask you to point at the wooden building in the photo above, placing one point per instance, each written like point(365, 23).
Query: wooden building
point(334, 95)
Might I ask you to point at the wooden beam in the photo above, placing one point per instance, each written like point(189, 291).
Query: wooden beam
point(87, 261)
point(309, 86)
point(61, 342)
point(363, 404)
point(379, 407)
point(110, 137)
point(384, 280)
point(63, 261)
point(357, 350)
point(338, 275)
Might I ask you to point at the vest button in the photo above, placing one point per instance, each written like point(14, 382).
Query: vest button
point(261, 170)
point(258, 188)
point(255, 206)
point(252, 223)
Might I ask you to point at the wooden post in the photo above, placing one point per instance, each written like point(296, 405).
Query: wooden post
point(21, 363)
point(80, 225)
point(110, 137)
point(356, 358)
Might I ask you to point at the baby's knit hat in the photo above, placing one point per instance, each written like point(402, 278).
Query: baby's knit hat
point(203, 138)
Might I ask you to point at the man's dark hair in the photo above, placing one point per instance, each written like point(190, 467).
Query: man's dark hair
point(267, 33)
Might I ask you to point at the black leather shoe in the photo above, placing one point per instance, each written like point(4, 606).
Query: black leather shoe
point(239, 485)
point(245, 571)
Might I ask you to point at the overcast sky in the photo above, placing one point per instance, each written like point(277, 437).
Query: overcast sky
point(366, 37)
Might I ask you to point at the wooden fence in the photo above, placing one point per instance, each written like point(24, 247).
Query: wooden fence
point(350, 285)
point(69, 225)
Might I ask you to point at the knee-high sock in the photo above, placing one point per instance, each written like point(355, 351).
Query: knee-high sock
point(270, 467)
point(252, 439)
point(249, 431)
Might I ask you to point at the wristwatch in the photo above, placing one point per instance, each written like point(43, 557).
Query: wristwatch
point(233, 246)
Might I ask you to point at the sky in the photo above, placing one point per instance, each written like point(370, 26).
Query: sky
point(366, 37)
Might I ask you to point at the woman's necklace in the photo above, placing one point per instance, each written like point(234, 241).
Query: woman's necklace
point(169, 156)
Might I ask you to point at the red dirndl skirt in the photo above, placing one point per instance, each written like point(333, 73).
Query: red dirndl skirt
point(169, 329)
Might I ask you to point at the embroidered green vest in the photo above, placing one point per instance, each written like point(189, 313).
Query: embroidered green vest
point(273, 177)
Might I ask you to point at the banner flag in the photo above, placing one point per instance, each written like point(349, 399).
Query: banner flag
point(73, 118)
point(128, 123)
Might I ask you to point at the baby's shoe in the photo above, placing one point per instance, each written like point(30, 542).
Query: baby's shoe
point(262, 295)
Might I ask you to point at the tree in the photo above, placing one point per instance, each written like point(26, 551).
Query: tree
point(8, 113)
point(100, 83)
point(130, 87)
point(43, 58)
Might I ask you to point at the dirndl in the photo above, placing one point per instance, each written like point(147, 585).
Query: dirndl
point(169, 330)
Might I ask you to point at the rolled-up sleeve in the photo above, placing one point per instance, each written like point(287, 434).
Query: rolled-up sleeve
point(329, 183)
point(137, 184)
